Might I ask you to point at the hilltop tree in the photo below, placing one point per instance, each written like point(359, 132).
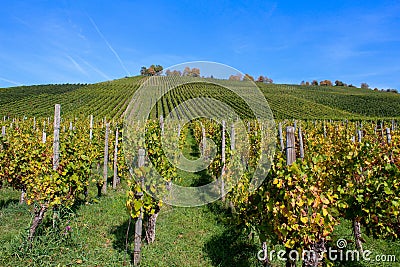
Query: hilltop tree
point(325, 83)
point(314, 82)
point(173, 73)
point(268, 80)
point(151, 71)
point(236, 77)
point(194, 72)
point(339, 83)
point(364, 86)
point(264, 79)
point(143, 71)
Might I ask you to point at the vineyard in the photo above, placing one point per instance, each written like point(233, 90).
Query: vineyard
point(331, 162)
point(286, 101)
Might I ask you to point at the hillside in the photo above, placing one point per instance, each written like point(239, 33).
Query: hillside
point(112, 97)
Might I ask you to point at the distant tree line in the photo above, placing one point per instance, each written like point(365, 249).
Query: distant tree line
point(188, 72)
point(329, 83)
point(340, 83)
point(155, 70)
point(240, 77)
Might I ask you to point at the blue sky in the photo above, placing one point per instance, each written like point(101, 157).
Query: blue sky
point(70, 41)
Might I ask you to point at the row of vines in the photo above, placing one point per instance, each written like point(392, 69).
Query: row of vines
point(341, 170)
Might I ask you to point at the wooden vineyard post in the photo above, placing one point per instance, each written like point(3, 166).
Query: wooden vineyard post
point(223, 160)
point(162, 124)
point(204, 141)
point(56, 150)
point(301, 144)
point(290, 146)
point(324, 130)
point(91, 128)
point(232, 137)
point(179, 131)
point(356, 223)
point(44, 136)
point(115, 178)
point(388, 136)
point(3, 131)
point(139, 220)
point(34, 123)
point(281, 136)
point(56, 139)
point(290, 158)
point(105, 167)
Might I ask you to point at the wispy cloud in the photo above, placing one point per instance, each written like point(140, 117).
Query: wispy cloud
point(105, 76)
point(109, 46)
point(77, 66)
point(10, 81)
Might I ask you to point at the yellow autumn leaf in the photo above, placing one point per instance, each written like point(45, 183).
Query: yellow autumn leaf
point(324, 212)
point(289, 243)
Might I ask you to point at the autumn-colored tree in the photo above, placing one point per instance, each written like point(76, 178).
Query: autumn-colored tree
point(268, 80)
point(236, 77)
point(173, 73)
point(151, 71)
point(177, 73)
point(314, 82)
point(195, 72)
point(186, 71)
point(307, 83)
point(325, 83)
point(260, 79)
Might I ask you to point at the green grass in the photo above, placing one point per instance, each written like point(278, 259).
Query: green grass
point(185, 237)
point(200, 236)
